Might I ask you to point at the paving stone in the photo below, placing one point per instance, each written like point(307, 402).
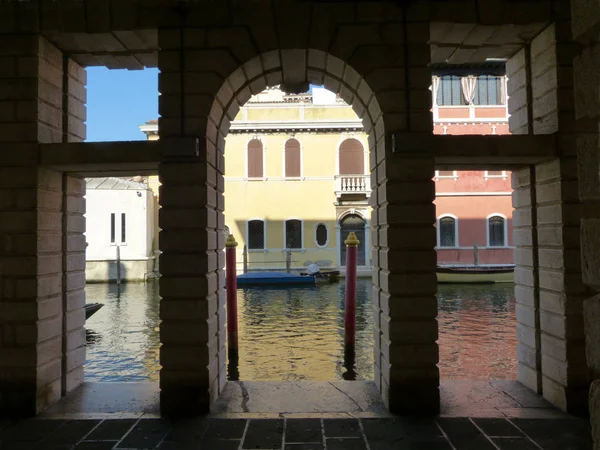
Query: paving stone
point(557, 434)
point(514, 443)
point(225, 428)
point(30, 430)
point(219, 444)
point(498, 427)
point(303, 430)
point(464, 435)
point(106, 445)
point(303, 446)
point(264, 433)
point(70, 433)
point(421, 443)
point(147, 433)
point(383, 429)
point(342, 428)
point(345, 444)
point(188, 431)
point(111, 430)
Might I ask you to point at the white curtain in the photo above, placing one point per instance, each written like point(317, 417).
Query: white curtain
point(468, 85)
point(503, 90)
point(435, 84)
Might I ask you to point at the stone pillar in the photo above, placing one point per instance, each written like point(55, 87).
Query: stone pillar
point(585, 25)
point(527, 292)
point(34, 362)
point(403, 234)
point(404, 286)
point(73, 301)
point(549, 289)
point(192, 308)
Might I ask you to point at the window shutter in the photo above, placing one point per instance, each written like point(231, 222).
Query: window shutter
point(292, 159)
point(255, 159)
point(352, 158)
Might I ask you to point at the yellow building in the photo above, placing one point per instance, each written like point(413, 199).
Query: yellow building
point(296, 177)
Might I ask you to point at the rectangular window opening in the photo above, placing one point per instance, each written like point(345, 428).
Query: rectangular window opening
point(112, 228)
point(123, 229)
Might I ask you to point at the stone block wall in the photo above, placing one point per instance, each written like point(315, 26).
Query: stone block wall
point(192, 331)
point(549, 290)
point(36, 364)
point(586, 31)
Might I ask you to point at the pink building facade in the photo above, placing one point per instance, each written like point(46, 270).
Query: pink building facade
point(473, 208)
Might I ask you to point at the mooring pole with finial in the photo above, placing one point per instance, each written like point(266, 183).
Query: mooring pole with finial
point(352, 243)
point(231, 288)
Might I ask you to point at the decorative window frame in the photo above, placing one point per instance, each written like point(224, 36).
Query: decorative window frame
point(328, 235)
point(439, 241)
point(257, 250)
point(302, 248)
point(264, 171)
point(301, 177)
point(503, 176)
point(487, 230)
point(454, 175)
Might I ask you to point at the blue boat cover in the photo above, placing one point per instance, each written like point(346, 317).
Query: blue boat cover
point(273, 278)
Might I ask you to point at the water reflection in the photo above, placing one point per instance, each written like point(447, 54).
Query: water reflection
point(297, 334)
point(123, 338)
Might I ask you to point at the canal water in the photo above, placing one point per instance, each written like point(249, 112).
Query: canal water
point(297, 334)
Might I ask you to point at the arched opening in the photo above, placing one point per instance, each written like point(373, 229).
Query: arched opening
point(348, 224)
point(255, 159)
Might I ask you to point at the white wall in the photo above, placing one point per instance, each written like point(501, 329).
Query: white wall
point(137, 206)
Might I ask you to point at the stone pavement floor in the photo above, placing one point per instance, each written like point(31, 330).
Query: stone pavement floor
point(298, 434)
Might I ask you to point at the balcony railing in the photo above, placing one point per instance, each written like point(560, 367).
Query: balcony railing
point(352, 184)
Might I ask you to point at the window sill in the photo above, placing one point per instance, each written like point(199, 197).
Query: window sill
point(257, 250)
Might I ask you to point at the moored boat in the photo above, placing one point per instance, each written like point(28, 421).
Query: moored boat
point(91, 309)
point(475, 274)
point(272, 278)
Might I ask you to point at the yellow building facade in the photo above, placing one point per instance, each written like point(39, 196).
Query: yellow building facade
point(296, 179)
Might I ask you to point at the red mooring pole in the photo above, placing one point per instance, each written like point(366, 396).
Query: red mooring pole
point(231, 288)
point(350, 310)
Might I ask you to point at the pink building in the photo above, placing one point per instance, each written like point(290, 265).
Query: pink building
point(472, 207)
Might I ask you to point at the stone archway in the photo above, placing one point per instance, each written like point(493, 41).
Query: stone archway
point(193, 353)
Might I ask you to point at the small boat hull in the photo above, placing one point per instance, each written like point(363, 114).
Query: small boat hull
point(476, 274)
point(91, 309)
point(273, 278)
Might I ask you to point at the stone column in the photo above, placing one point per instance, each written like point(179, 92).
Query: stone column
point(585, 25)
point(36, 364)
point(404, 286)
point(549, 289)
point(403, 233)
point(192, 308)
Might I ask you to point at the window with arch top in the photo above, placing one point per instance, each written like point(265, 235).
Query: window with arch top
point(447, 232)
point(496, 231)
point(293, 233)
point(352, 157)
point(293, 161)
point(256, 235)
point(255, 159)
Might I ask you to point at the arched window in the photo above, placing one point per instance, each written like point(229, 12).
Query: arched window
point(255, 159)
point(352, 158)
point(256, 235)
point(447, 232)
point(496, 231)
point(321, 235)
point(292, 159)
point(293, 233)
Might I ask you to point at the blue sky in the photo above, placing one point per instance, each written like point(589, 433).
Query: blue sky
point(118, 101)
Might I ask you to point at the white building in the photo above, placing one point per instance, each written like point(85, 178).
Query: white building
point(119, 219)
